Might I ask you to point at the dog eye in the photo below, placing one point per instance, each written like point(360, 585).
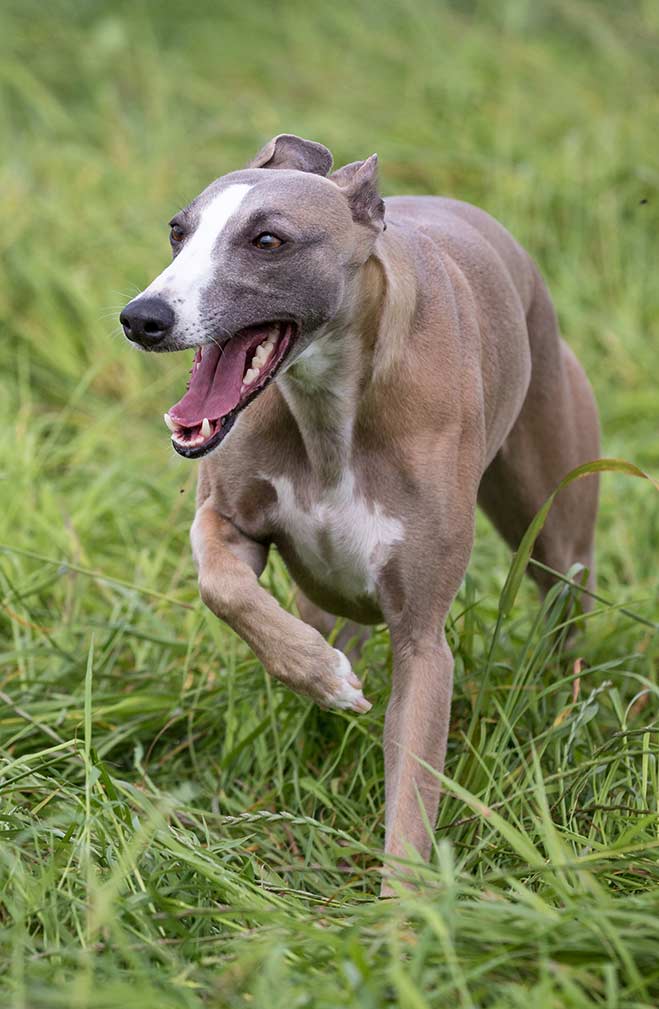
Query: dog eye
point(176, 234)
point(267, 241)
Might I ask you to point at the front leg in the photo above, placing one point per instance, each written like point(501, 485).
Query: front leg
point(229, 564)
point(418, 587)
point(415, 729)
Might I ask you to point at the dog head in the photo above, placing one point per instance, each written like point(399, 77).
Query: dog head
point(262, 260)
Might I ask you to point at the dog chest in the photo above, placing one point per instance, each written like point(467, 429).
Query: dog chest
point(342, 539)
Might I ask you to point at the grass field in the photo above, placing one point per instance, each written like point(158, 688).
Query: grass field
point(178, 832)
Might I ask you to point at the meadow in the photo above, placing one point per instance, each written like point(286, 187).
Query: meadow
point(177, 831)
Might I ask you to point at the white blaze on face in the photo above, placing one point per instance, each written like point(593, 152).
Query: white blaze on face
point(182, 283)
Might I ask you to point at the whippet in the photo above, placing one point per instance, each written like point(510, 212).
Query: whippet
point(366, 372)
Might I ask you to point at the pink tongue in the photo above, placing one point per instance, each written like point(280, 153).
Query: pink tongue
point(215, 383)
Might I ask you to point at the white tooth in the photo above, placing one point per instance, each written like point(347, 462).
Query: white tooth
point(251, 375)
point(206, 427)
point(262, 354)
point(170, 423)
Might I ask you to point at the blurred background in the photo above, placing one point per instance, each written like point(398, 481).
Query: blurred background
point(113, 115)
point(116, 114)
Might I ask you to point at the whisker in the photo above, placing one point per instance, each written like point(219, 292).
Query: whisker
point(127, 295)
point(109, 313)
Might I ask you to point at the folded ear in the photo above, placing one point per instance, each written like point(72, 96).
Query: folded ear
point(359, 182)
point(289, 151)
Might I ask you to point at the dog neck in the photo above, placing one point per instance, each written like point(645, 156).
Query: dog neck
point(332, 377)
point(325, 386)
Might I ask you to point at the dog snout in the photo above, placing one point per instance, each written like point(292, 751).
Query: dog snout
point(147, 321)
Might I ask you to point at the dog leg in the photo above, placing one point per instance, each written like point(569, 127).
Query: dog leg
point(229, 564)
point(416, 728)
point(416, 597)
point(556, 430)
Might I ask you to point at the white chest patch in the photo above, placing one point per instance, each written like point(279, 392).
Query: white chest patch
point(341, 539)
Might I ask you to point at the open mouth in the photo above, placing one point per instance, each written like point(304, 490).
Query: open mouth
point(222, 381)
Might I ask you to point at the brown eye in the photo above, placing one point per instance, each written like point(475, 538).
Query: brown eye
point(176, 234)
point(267, 241)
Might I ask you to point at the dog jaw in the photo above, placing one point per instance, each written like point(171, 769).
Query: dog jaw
point(223, 380)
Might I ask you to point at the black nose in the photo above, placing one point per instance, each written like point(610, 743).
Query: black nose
point(147, 321)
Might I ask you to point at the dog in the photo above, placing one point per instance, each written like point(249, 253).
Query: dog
point(366, 372)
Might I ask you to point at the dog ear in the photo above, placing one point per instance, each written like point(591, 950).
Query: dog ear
point(359, 182)
point(289, 151)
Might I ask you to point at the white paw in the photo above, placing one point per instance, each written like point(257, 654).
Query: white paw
point(348, 692)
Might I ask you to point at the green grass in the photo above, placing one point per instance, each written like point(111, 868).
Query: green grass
point(176, 830)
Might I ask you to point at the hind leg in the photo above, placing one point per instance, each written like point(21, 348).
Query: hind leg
point(556, 430)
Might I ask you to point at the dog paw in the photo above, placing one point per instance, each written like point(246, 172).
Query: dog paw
point(347, 692)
